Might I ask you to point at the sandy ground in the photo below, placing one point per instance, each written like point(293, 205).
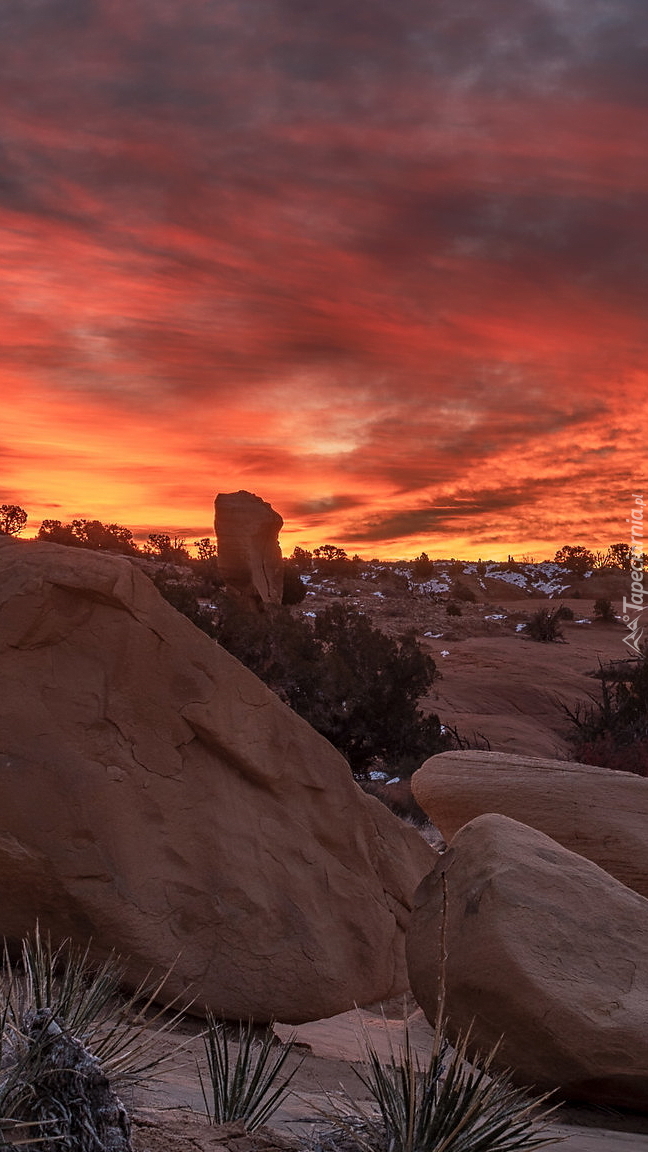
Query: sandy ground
point(327, 1052)
point(510, 690)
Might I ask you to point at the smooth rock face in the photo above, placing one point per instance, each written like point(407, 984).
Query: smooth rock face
point(545, 948)
point(157, 797)
point(249, 556)
point(599, 813)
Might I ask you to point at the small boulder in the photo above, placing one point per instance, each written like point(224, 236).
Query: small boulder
point(600, 813)
point(249, 557)
point(544, 948)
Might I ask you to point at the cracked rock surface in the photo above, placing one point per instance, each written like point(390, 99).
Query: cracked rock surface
point(159, 799)
point(543, 948)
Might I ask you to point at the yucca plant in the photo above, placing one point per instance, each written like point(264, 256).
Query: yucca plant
point(53, 1004)
point(251, 1087)
point(448, 1105)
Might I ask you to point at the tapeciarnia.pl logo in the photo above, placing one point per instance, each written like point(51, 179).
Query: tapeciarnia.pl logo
point(634, 607)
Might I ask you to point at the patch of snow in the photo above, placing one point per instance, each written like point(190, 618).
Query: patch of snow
point(394, 780)
point(377, 775)
point(434, 635)
point(381, 594)
point(510, 578)
point(498, 616)
point(310, 613)
point(445, 652)
point(582, 621)
point(305, 578)
point(520, 627)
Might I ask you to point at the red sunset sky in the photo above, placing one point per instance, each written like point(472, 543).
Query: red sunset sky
point(383, 264)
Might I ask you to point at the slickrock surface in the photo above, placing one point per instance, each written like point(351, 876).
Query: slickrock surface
point(600, 813)
point(545, 948)
point(158, 798)
point(249, 556)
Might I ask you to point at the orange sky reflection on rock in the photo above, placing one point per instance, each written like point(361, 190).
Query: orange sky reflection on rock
point(383, 266)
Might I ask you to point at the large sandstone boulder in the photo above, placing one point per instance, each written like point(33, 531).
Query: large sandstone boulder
point(157, 797)
point(545, 948)
point(599, 813)
point(249, 557)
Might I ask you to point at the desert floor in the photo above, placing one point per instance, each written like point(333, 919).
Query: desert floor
point(329, 1050)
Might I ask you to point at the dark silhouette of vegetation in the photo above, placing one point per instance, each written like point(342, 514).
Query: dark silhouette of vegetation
point(89, 534)
point(565, 612)
point(461, 591)
point(294, 589)
point(619, 556)
point(302, 560)
point(12, 519)
point(613, 730)
point(350, 681)
point(544, 626)
point(603, 611)
point(422, 568)
point(329, 561)
point(453, 609)
point(162, 547)
point(576, 559)
point(183, 596)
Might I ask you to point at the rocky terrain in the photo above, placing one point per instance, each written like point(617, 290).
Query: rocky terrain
point(186, 817)
point(496, 685)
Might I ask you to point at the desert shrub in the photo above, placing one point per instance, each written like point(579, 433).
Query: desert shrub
point(182, 595)
point(565, 612)
point(89, 534)
point(350, 681)
point(161, 546)
point(294, 590)
point(613, 730)
point(544, 626)
point(462, 592)
point(331, 561)
point(603, 611)
point(422, 568)
point(447, 1105)
point(453, 609)
point(254, 1085)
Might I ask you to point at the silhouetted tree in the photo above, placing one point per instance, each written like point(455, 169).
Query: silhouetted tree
point(294, 590)
point(161, 546)
point(89, 534)
point(576, 559)
point(302, 559)
point(350, 681)
point(422, 567)
point(619, 556)
point(12, 519)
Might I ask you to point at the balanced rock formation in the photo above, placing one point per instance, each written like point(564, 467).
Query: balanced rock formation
point(157, 798)
point(544, 948)
point(249, 556)
point(599, 813)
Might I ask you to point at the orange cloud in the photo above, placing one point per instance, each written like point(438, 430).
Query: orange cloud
point(383, 265)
